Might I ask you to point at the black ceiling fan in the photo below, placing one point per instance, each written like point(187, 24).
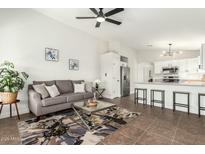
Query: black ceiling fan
point(101, 17)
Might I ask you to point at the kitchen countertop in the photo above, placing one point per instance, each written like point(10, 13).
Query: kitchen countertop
point(181, 83)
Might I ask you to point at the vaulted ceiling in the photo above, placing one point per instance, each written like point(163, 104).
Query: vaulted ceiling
point(142, 29)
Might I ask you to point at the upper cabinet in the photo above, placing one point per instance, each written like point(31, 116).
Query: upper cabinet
point(157, 67)
point(190, 65)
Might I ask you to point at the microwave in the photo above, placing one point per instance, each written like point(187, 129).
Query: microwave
point(170, 70)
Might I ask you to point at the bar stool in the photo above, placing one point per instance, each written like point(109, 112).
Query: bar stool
point(199, 103)
point(153, 100)
point(180, 104)
point(143, 98)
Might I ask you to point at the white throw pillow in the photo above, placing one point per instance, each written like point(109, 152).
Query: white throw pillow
point(88, 86)
point(79, 88)
point(53, 90)
point(40, 88)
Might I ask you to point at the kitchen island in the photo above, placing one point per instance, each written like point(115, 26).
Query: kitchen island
point(193, 87)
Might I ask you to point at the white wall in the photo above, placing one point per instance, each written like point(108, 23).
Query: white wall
point(132, 61)
point(24, 34)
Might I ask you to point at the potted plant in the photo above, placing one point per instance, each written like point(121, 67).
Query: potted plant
point(11, 81)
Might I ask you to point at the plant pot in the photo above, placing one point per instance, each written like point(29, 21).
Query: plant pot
point(8, 97)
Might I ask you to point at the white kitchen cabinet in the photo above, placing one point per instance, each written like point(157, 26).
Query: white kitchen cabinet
point(145, 72)
point(110, 74)
point(196, 63)
point(190, 65)
point(167, 63)
point(182, 65)
point(202, 57)
point(158, 67)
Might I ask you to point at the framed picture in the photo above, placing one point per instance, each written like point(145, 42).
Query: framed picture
point(73, 64)
point(51, 54)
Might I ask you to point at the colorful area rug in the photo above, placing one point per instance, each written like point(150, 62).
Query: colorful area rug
point(67, 129)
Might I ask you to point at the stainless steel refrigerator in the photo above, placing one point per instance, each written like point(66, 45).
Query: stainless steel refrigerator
point(125, 81)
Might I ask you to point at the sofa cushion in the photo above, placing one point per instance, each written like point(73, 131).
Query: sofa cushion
point(48, 83)
point(64, 86)
point(81, 96)
point(54, 101)
point(73, 97)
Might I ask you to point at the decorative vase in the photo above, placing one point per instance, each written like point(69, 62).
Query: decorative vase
point(96, 86)
point(8, 97)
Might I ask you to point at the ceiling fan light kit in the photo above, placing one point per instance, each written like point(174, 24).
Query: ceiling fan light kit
point(101, 17)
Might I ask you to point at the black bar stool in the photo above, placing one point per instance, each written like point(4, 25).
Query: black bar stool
point(143, 98)
point(180, 104)
point(153, 100)
point(199, 103)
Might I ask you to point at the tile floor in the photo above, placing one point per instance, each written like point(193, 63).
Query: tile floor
point(154, 126)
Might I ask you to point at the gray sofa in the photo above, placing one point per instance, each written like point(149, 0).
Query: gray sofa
point(40, 106)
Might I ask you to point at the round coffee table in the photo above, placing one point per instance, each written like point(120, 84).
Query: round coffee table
point(15, 103)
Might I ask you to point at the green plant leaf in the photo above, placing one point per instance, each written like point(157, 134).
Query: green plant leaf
point(10, 79)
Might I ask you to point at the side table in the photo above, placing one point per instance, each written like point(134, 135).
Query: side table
point(99, 92)
point(15, 103)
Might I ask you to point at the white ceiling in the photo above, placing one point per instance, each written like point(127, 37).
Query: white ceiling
point(185, 28)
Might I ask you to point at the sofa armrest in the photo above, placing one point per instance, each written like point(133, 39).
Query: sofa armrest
point(34, 102)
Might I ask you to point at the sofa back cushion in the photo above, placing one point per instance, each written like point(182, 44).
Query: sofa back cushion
point(52, 90)
point(88, 86)
point(48, 83)
point(79, 88)
point(77, 82)
point(65, 86)
point(40, 88)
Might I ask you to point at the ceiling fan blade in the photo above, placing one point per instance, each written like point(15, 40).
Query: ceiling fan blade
point(94, 11)
point(113, 21)
point(97, 24)
point(85, 17)
point(117, 10)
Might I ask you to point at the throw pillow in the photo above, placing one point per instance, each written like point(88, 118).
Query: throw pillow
point(79, 88)
point(53, 90)
point(40, 88)
point(88, 86)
